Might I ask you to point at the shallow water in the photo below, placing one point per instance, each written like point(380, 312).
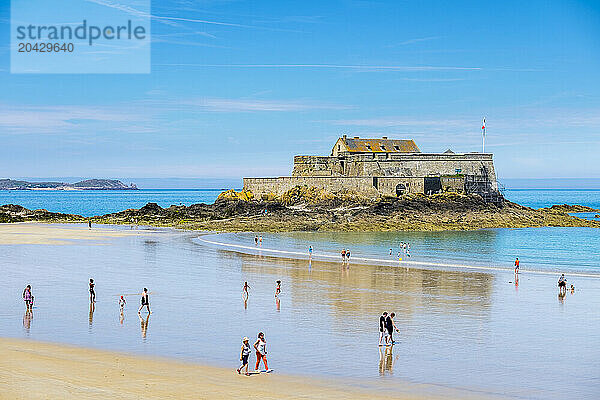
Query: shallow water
point(466, 329)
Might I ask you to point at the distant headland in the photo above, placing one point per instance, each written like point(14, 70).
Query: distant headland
point(89, 184)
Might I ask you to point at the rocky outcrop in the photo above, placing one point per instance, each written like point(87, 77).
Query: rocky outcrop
point(310, 209)
point(16, 213)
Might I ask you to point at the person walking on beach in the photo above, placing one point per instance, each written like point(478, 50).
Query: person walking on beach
point(343, 256)
point(562, 284)
point(261, 351)
point(310, 250)
point(92, 291)
point(347, 255)
point(256, 240)
point(390, 327)
point(278, 289)
point(89, 224)
point(245, 290)
point(390, 252)
point(122, 303)
point(244, 354)
point(28, 297)
point(517, 265)
point(260, 241)
point(382, 335)
point(145, 302)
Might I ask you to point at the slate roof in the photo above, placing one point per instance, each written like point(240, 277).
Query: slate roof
point(360, 145)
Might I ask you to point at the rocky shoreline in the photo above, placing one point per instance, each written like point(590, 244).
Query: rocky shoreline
point(308, 209)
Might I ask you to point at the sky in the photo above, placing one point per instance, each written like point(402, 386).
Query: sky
point(237, 88)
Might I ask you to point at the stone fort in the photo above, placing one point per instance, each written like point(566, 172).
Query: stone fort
point(386, 167)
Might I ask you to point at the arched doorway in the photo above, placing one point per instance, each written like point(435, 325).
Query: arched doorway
point(400, 189)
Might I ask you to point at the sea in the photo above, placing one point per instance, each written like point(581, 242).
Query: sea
point(465, 320)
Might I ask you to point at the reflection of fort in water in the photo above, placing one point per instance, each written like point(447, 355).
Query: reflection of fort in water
point(368, 289)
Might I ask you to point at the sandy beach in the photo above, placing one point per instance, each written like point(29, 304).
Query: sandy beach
point(36, 370)
point(34, 233)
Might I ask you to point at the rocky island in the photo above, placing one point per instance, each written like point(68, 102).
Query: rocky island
point(311, 209)
point(89, 184)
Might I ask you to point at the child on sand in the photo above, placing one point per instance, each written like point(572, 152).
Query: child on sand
point(244, 354)
point(92, 291)
point(261, 351)
point(28, 297)
point(145, 302)
point(278, 289)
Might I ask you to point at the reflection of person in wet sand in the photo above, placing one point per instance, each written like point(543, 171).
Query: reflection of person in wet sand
point(386, 360)
point(144, 324)
point(27, 317)
point(245, 290)
point(92, 309)
point(145, 301)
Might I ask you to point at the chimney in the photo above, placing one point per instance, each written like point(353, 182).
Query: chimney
point(384, 137)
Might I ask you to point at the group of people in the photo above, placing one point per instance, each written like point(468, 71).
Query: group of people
point(145, 300)
point(404, 249)
point(387, 326)
point(345, 256)
point(260, 347)
point(258, 240)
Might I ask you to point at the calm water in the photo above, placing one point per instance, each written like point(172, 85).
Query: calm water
point(465, 329)
point(90, 203)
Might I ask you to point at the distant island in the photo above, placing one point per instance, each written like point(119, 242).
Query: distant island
point(88, 184)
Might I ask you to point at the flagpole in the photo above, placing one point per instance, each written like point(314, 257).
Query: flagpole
point(483, 135)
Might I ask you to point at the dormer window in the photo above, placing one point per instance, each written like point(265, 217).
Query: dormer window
point(369, 147)
point(397, 148)
point(383, 148)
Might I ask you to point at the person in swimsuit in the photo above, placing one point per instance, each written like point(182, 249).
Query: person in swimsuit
point(517, 265)
point(145, 301)
point(92, 291)
point(310, 250)
point(28, 297)
point(256, 240)
point(343, 256)
point(261, 351)
point(390, 252)
point(347, 255)
point(382, 327)
point(245, 290)
point(244, 354)
point(278, 289)
point(122, 303)
point(89, 224)
point(260, 241)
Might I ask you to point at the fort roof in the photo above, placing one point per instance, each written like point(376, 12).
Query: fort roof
point(383, 145)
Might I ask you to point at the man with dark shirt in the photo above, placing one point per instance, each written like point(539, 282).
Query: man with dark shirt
point(382, 327)
point(390, 326)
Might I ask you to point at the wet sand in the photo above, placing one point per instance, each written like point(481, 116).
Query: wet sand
point(35, 233)
point(36, 370)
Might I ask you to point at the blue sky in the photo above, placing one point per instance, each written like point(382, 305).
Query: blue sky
point(238, 88)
